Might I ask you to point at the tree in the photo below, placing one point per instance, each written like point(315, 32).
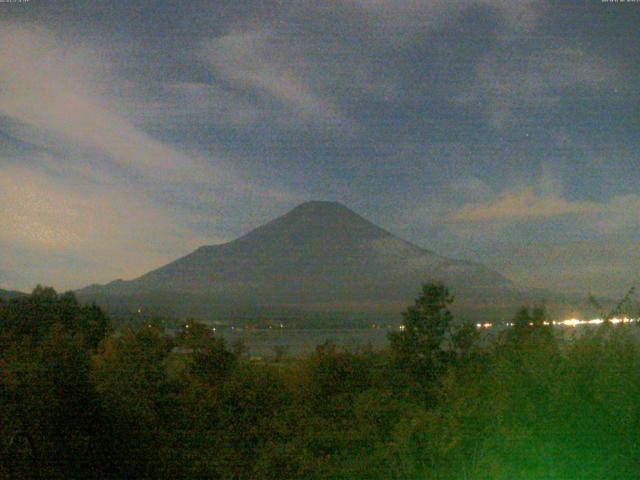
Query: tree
point(620, 307)
point(35, 315)
point(529, 324)
point(195, 335)
point(49, 410)
point(213, 362)
point(130, 377)
point(419, 346)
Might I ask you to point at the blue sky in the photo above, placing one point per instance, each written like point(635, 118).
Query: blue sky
point(505, 132)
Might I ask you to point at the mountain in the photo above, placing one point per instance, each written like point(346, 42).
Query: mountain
point(9, 294)
point(319, 257)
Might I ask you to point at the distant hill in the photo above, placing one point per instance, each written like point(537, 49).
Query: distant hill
point(319, 257)
point(9, 294)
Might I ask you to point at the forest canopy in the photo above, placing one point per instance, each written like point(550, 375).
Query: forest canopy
point(78, 400)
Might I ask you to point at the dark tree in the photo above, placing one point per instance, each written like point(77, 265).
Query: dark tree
point(420, 345)
point(46, 396)
point(213, 362)
point(35, 315)
point(530, 323)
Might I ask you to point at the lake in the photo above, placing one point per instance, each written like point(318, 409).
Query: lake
point(261, 342)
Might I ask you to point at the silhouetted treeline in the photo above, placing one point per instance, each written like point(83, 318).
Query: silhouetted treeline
point(77, 401)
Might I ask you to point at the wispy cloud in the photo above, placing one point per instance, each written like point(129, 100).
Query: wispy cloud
point(544, 201)
point(178, 102)
point(48, 95)
point(536, 235)
point(505, 84)
point(225, 117)
point(105, 226)
point(106, 190)
point(43, 88)
point(261, 62)
point(602, 266)
point(397, 22)
point(620, 212)
point(523, 205)
point(474, 211)
point(407, 17)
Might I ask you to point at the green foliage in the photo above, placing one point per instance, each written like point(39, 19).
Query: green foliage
point(429, 342)
point(130, 378)
point(194, 335)
point(34, 316)
point(530, 327)
point(419, 346)
point(528, 404)
point(212, 362)
point(51, 422)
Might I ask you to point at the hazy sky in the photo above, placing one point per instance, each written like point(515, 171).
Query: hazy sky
point(502, 131)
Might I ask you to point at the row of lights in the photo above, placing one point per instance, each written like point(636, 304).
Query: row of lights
point(572, 322)
point(233, 327)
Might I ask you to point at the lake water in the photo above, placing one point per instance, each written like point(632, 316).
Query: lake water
point(302, 341)
point(261, 342)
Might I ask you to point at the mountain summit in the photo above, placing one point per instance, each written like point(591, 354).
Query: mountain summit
point(319, 256)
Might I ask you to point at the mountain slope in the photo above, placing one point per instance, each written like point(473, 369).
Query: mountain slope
point(9, 294)
point(320, 255)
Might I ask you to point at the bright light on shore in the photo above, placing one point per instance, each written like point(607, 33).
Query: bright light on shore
point(484, 325)
point(571, 322)
point(574, 322)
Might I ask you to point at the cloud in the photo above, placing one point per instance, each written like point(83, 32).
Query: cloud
point(207, 136)
point(53, 92)
point(523, 205)
point(471, 219)
point(95, 224)
point(470, 189)
point(505, 82)
point(620, 212)
point(546, 201)
point(537, 236)
point(606, 266)
point(42, 87)
point(105, 193)
point(412, 16)
point(321, 62)
point(195, 103)
point(261, 62)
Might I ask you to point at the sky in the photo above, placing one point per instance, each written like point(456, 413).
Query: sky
point(506, 132)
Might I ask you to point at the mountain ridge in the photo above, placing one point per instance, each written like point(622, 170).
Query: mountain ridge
point(9, 294)
point(319, 253)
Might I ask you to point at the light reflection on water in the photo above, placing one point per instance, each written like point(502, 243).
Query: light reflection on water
point(300, 341)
